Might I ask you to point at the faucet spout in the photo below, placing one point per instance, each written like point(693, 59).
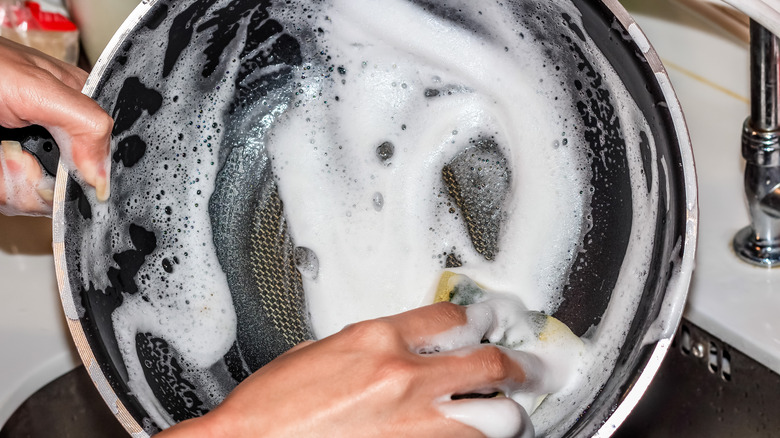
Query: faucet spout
point(759, 244)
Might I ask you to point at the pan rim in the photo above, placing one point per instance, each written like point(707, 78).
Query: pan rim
point(675, 291)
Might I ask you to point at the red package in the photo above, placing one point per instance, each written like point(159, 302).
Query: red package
point(49, 32)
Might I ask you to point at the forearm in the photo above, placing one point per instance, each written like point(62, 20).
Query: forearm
point(203, 427)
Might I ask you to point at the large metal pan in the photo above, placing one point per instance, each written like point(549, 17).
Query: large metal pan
point(182, 249)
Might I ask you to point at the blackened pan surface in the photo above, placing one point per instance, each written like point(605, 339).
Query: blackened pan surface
point(162, 85)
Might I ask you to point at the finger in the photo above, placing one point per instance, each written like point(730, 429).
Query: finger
point(78, 124)
point(481, 369)
point(417, 326)
point(71, 75)
point(491, 320)
point(24, 190)
point(467, 326)
point(495, 418)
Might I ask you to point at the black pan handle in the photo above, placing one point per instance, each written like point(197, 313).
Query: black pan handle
point(38, 142)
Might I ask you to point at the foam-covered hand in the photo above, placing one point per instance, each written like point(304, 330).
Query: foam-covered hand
point(370, 380)
point(36, 89)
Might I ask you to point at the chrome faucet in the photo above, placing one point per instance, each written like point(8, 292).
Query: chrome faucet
point(759, 243)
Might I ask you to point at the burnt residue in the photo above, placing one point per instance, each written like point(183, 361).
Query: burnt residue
point(595, 271)
point(246, 213)
point(156, 16)
point(166, 377)
point(452, 15)
point(223, 27)
point(36, 140)
point(129, 150)
point(75, 196)
point(267, 44)
point(181, 30)
point(236, 366)
point(129, 262)
point(573, 26)
point(99, 306)
point(134, 98)
point(647, 159)
point(204, 37)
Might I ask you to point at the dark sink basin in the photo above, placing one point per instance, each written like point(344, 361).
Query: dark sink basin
point(705, 388)
point(68, 407)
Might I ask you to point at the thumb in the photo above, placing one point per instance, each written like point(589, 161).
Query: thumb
point(498, 417)
point(24, 189)
point(78, 124)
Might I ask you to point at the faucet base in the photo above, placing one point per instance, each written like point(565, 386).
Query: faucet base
point(756, 253)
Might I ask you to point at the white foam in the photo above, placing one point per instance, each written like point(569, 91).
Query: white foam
point(497, 418)
point(378, 261)
point(375, 263)
point(324, 159)
point(551, 361)
point(189, 307)
point(639, 37)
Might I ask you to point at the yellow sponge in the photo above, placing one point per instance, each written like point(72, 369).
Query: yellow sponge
point(551, 334)
point(446, 286)
point(460, 289)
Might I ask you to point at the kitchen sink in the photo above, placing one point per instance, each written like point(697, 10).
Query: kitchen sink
point(704, 388)
point(720, 377)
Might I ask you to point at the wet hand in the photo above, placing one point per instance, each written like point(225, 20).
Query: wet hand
point(369, 380)
point(36, 89)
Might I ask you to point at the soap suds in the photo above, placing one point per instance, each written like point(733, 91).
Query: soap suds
point(356, 140)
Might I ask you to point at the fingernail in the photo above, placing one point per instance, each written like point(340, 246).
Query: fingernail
point(103, 180)
point(45, 190)
point(12, 151)
point(102, 188)
point(46, 194)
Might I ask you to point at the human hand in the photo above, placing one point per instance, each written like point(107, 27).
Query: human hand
point(370, 381)
point(36, 89)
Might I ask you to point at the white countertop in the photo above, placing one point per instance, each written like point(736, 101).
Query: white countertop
point(35, 346)
point(728, 298)
point(734, 301)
